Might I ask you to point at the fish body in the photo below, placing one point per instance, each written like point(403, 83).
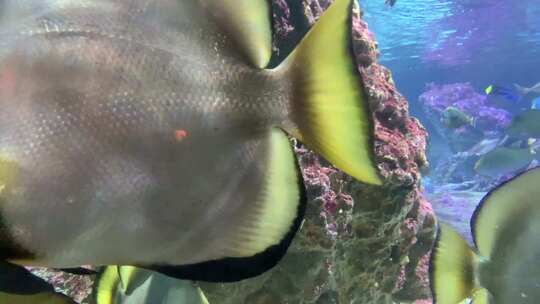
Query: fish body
point(503, 160)
point(94, 136)
point(525, 125)
point(150, 133)
point(454, 118)
point(502, 267)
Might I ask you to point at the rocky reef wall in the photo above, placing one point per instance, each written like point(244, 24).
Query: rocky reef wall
point(359, 243)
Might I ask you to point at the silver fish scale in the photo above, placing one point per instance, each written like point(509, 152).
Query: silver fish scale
point(137, 137)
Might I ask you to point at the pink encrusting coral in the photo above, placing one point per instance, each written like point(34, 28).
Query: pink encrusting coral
point(77, 287)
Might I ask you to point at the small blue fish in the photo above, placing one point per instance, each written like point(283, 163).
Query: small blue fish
point(507, 92)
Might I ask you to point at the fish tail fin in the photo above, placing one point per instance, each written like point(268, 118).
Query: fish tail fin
point(452, 267)
point(329, 108)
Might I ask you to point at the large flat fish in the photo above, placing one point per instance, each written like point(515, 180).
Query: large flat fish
point(152, 133)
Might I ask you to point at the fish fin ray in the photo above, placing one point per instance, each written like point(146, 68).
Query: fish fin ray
point(248, 23)
point(329, 104)
point(451, 267)
point(262, 241)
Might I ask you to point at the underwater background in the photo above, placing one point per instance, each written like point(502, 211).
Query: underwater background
point(363, 244)
point(445, 54)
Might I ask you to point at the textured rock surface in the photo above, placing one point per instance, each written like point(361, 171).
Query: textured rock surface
point(77, 287)
point(359, 244)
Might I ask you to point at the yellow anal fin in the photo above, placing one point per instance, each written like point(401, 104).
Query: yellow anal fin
point(271, 215)
point(329, 105)
point(452, 268)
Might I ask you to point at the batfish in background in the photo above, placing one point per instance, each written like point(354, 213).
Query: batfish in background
point(504, 160)
point(151, 133)
point(502, 267)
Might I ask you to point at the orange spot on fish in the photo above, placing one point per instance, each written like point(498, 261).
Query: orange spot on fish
point(180, 135)
point(7, 83)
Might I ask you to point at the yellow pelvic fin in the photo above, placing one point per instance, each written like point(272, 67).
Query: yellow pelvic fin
point(452, 267)
point(329, 105)
point(107, 285)
point(249, 23)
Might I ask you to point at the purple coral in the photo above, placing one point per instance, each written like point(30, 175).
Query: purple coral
point(464, 97)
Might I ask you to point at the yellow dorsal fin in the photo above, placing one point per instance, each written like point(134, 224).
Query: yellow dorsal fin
point(248, 22)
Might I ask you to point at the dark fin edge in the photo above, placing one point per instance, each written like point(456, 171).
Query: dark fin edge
point(81, 271)
point(17, 280)
point(486, 197)
point(237, 269)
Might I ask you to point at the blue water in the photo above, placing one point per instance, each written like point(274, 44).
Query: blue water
point(478, 41)
point(444, 42)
